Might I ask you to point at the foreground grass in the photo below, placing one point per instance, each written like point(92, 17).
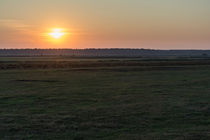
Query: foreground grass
point(105, 104)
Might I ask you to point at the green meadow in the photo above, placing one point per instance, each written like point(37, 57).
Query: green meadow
point(104, 99)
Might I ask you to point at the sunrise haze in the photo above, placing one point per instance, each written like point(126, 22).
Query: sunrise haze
point(156, 24)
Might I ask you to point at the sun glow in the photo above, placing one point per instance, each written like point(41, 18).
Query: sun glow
point(57, 36)
point(57, 33)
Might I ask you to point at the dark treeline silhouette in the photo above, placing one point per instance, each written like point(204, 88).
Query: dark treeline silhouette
point(105, 52)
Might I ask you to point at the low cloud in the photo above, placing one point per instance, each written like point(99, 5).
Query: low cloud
point(15, 32)
point(13, 24)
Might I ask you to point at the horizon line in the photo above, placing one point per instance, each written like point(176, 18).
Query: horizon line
point(104, 49)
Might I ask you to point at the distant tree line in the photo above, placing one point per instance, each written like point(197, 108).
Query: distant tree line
point(105, 52)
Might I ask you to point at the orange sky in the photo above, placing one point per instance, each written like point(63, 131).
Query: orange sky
point(157, 24)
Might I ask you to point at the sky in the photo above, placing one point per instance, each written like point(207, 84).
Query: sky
point(153, 24)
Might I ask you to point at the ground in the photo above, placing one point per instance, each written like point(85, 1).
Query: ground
point(104, 99)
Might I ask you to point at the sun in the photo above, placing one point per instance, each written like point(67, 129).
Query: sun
point(57, 36)
point(57, 33)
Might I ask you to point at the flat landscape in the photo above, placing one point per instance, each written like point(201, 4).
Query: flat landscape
point(50, 98)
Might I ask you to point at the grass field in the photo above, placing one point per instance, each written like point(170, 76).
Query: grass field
point(104, 99)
